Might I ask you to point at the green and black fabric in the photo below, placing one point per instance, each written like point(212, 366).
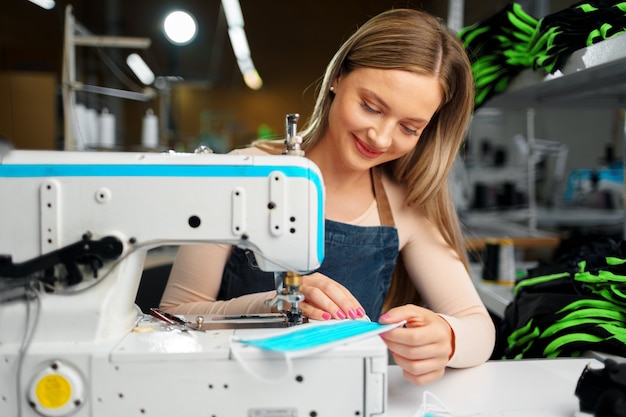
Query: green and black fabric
point(564, 314)
point(512, 40)
point(580, 25)
point(497, 49)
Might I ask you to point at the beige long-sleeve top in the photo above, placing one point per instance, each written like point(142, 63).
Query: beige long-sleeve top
point(436, 271)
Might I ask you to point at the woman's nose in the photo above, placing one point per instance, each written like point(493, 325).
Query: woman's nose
point(380, 135)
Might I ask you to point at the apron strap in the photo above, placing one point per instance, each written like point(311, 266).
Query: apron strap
point(384, 209)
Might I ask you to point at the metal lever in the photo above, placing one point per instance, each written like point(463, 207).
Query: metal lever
point(293, 142)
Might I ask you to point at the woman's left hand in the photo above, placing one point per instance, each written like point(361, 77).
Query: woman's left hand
point(423, 347)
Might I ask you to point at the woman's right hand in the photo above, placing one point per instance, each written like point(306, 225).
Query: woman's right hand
point(325, 299)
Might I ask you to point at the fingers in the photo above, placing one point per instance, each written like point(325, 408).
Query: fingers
point(324, 295)
point(422, 375)
point(314, 313)
point(423, 347)
point(431, 338)
point(411, 313)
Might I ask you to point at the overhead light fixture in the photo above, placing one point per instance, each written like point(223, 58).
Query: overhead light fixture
point(253, 79)
point(45, 4)
point(239, 42)
point(180, 27)
point(232, 11)
point(250, 75)
point(140, 69)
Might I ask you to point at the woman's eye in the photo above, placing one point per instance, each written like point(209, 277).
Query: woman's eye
point(410, 131)
point(368, 108)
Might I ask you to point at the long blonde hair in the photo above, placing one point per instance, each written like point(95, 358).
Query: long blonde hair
point(415, 41)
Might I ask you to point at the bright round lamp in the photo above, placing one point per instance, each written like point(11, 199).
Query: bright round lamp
point(180, 27)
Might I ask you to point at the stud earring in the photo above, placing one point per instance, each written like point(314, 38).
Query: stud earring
point(332, 89)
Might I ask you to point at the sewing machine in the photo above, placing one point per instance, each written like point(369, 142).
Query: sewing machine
point(75, 229)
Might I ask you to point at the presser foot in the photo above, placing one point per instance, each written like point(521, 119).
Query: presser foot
point(295, 318)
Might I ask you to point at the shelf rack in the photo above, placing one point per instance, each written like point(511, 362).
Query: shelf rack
point(593, 77)
point(77, 35)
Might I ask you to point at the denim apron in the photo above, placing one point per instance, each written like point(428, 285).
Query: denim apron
point(361, 258)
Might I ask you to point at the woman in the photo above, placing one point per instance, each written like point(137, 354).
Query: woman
point(391, 114)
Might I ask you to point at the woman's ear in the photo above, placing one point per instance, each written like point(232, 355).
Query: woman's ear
point(335, 83)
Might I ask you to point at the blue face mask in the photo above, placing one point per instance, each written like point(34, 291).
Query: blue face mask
point(307, 339)
point(315, 337)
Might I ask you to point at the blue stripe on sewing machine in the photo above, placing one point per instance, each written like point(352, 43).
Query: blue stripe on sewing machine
point(158, 170)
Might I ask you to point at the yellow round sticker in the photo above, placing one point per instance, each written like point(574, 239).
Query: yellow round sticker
point(53, 391)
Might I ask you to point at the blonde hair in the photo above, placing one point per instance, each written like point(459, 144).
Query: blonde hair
point(415, 41)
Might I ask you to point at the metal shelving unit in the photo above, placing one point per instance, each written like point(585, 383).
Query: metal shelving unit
point(75, 35)
point(593, 77)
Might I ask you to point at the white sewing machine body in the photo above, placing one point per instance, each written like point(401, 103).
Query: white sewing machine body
point(166, 374)
point(75, 349)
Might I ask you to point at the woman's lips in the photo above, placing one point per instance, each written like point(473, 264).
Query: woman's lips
point(365, 150)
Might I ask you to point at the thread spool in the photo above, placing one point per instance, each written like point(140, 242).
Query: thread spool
point(492, 260)
point(506, 268)
point(150, 130)
point(106, 133)
point(499, 263)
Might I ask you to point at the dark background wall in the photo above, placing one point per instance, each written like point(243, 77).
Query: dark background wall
point(291, 42)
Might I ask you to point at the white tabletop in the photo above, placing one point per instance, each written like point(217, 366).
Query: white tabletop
point(512, 388)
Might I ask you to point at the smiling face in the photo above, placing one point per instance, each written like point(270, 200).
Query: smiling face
point(378, 115)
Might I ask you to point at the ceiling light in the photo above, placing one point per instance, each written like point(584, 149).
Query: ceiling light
point(239, 42)
point(180, 27)
point(253, 79)
point(46, 4)
point(250, 75)
point(140, 69)
point(232, 10)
